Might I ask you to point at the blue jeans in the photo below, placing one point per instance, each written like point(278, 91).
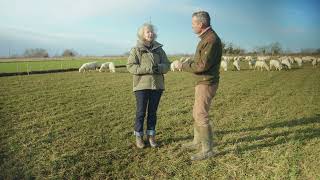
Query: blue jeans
point(147, 101)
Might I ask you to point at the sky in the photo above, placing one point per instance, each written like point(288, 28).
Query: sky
point(109, 27)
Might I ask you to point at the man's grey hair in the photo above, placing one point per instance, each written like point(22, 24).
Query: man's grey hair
point(141, 31)
point(203, 17)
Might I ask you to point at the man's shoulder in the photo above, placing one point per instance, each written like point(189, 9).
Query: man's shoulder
point(210, 38)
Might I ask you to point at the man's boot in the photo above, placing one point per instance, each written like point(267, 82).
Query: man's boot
point(206, 144)
point(139, 142)
point(195, 144)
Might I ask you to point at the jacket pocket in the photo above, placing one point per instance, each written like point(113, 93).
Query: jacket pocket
point(136, 80)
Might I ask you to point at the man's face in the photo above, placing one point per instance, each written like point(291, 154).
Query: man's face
point(196, 25)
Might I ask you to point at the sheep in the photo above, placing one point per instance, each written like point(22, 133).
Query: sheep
point(291, 60)
point(261, 65)
point(224, 64)
point(248, 58)
point(298, 60)
point(174, 64)
point(308, 58)
point(89, 66)
point(276, 64)
point(263, 58)
point(227, 58)
point(236, 64)
point(239, 58)
point(107, 65)
point(104, 66)
point(314, 62)
point(286, 63)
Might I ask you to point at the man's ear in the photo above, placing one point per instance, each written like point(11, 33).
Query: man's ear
point(202, 25)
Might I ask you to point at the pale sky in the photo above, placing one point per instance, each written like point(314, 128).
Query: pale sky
point(109, 27)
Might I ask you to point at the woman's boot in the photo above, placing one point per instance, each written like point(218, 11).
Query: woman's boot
point(139, 142)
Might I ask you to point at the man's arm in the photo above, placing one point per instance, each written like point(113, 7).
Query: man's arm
point(204, 62)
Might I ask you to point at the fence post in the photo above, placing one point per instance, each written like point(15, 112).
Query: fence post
point(28, 68)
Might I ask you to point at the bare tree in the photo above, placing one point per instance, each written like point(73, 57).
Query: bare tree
point(275, 48)
point(37, 52)
point(69, 53)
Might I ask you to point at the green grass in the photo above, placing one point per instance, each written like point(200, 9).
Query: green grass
point(73, 125)
point(27, 65)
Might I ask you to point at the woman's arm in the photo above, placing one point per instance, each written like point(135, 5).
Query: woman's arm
point(134, 66)
point(164, 66)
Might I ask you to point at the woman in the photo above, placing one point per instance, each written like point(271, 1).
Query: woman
point(147, 62)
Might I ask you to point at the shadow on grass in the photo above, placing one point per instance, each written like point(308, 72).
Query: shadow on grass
point(274, 139)
point(263, 141)
point(178, 139)
point(291, 123)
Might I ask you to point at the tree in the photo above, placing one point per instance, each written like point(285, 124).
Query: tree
point(275, 48)
point(262, 50)
point(229, 48)
point(37, 52)
point(69, 53)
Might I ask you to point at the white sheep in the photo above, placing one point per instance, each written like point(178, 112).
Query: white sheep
point(248, 58)
point(89, 66)
point(263, 58)
point(291, 60)
point(224, 64)
point(261, 65)
point(236, 64)
point(298, 60)
point(174, 65)
point(308, 58)
point(239, 58)
point(228, 58)
point(276, 64)
point(286, 63)
point(107, 65)
point(314, 62)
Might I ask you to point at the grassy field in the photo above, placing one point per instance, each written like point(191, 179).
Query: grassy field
point(27, 65)
point(72, 126)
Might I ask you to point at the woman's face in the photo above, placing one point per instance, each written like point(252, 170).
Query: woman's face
point(148, 34)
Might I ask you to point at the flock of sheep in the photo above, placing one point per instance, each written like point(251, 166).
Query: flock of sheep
point(259, 62)
point(95, 66)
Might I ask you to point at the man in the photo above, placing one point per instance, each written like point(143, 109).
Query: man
point(205, 67)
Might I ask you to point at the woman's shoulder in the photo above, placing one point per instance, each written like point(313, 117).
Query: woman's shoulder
point(134, 50)
point(156, 45)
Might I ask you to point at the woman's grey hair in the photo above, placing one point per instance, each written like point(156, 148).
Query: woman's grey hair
point(203, 17)
point(141, 31)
